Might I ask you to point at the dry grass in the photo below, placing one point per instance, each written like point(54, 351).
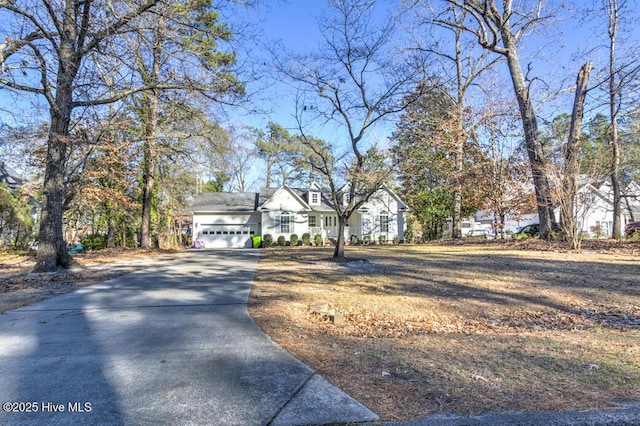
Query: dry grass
point(467, 328)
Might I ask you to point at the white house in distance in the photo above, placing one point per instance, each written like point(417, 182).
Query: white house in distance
point(595, 207)
point(226, 219)
point(594, 214)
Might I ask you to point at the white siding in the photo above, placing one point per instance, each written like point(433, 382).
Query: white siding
point(382, 202)
point(284, 202)
point(271, 224)
point(234, 229)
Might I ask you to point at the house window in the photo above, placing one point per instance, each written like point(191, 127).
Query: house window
point(285, 224)
point(312, 221)
point(315, 198)
point(384, 223)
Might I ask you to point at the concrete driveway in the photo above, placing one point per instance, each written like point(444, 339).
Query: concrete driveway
point(172, 344)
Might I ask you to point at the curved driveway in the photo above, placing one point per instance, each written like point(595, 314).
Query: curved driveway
point(171, 344)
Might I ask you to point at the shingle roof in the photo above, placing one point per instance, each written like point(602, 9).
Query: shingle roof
point(225, 202)
point(325, 199)
point(250, 201)
point(13, 179)
point(303, 193)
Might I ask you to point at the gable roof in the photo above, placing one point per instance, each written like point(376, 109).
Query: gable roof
point(268, 195)
point(396, 197)
point(302, 194)
point(225, 202)
point(251, 201)
point(13, 179)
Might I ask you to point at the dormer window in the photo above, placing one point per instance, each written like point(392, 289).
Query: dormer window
point(314, 198)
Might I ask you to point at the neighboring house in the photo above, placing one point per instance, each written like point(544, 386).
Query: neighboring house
point(12, 178)
point(594, 215)
point(595, 208)
point(15, 181)
point(224, 219)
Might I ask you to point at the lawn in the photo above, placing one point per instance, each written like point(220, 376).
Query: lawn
point(466, 328)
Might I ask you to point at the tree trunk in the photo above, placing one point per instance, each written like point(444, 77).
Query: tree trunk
point(123, 231)
point(152, 103)
point(615, 183)
point(613, 115)
point(629, 209)
point(111, 230)
point(147, 196)
point(537, 158)
point(457, 185)
point(52, 250)
point(570, 175)
point(459, 143)
point(338, 252)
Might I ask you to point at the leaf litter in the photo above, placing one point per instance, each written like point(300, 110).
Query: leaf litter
point(462, 327)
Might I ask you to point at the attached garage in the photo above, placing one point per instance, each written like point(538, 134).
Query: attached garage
point(226, 220)
point(227, 235)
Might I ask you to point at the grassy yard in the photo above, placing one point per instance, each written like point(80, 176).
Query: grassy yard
point(466, 328)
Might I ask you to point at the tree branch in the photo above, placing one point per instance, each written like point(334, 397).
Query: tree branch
point(40, 34)
point(116, 26)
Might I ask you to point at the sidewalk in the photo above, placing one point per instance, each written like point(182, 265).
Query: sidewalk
point(172, 344)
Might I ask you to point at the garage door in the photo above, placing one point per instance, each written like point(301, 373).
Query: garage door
point(227, 236)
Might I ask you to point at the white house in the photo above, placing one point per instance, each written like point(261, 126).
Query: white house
point(594, 211)
point(595, 208)
point(15, 181)
point(224, 219)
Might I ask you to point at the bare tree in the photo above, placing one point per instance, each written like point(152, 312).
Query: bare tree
point(461, 70)
point(357, 80)
point(613, 11)
point(178, 48)
point(620, 75)
point(506, 180)
point(50, 55)
point(499, 28)
point(568, 208)
point(52, 50)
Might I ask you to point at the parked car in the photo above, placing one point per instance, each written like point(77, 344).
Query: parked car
point(632, 228)
point(478, 233)
point(532, 230)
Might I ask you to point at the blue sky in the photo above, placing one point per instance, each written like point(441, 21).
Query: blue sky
point(294, 23)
